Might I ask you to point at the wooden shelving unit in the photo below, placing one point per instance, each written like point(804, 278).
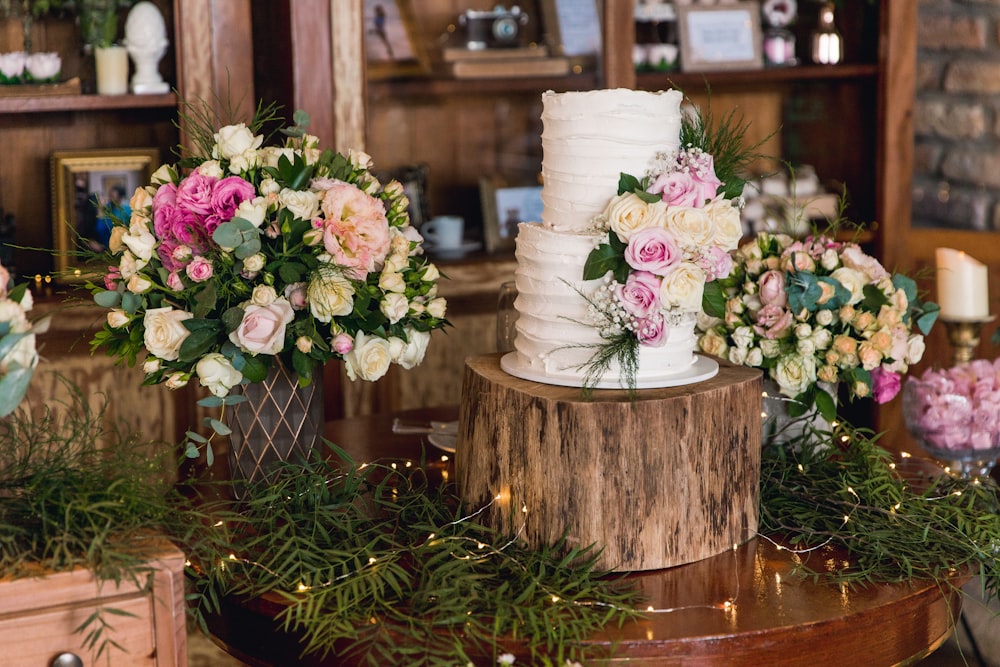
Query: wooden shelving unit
point(55, 103)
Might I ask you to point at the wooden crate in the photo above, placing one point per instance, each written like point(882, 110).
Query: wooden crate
point(38, 616)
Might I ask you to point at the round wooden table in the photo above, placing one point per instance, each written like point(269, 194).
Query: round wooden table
point(744, 607)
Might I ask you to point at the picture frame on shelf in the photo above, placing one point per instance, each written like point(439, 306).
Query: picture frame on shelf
point(504, 206)
point(720, 37)
point(413, 178)
point(392, 45)
point(87, 187)
point(573, 29)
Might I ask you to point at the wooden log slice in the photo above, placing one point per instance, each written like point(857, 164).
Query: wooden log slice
point(669, 478)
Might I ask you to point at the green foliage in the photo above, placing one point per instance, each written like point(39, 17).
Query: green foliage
point(606, 257)
point(376, 564)
point(898, 526)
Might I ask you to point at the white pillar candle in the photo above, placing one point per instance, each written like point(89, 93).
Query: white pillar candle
point(962, 286)
point(112, 70)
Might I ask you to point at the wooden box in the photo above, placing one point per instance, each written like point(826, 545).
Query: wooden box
point(669, 478)
point(38, 616)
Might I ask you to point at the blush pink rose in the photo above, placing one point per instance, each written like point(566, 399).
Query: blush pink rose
point(342, 343)
point(640, 295)
point(771, 289)
point(651, 331)
point(228, 194)
point(296, 295)
point(688, 188)
point(716, 262)
point(885, 385)
point(174, 281)
point(652, 249)
point(199, 270)
point(194, 194)
point(356, 230)
point(262, 330)
point(773, 322)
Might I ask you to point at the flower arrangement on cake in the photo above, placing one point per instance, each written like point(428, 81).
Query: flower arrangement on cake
point(813, 311)
point(668, 233)
point(246, 254)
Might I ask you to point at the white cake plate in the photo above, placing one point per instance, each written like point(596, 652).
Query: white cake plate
point(702, 369)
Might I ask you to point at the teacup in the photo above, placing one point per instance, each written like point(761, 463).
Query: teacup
point(444, 232)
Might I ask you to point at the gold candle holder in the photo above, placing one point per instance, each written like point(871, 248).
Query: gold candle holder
point(964, 337)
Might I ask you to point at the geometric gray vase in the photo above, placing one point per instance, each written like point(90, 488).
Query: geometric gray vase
point(279, 421)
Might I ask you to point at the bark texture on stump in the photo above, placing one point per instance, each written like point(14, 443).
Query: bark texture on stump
point(669, 478)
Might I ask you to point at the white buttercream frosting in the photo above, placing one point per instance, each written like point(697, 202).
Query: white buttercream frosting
point(589, 139)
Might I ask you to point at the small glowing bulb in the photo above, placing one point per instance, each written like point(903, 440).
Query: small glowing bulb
point(393, 465)
point(763, 415)
point(498, 496)
point(363, 466)
point(187, 563)
point(846, 518)
point(802, 468)
point(218, 524)
point(432, 536)
point(845, 438)
point(480, 545)
point(650, 608)
point(371, 561)
point(232, 556)
point(904, 455)
point(524, 509)
point(302, 588)
point(555, 598)
point(763, 394)
point(444, 457)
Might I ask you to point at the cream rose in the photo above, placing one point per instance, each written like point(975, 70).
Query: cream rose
point(253, 210)
point(412, 353)
point(165, 332)
point(302, 203)
point(139, 284)
point(263, 295)
point(692, 227)
point(177, 380)
point(394, 306)
point(852, 280)
point(217, 374)
point(234, 140)
point(369, 359)
point(714, 344)
point(794, 374)
point(140, 241)
point(437, 307)
point(728, 227)
point(262, 330)
point(682, 287)
point(627, 214)
point(330, 295)
point(390, 281)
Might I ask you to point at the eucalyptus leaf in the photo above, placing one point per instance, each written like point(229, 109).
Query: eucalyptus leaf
point(13, 387)
point(108, 299)
point(195, 437)
point(211, 401)
point(219, 427)
point(131, 303)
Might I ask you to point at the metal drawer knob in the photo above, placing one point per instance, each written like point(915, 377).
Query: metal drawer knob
point(67, 660)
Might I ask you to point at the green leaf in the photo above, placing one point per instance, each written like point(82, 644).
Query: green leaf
point(255, 369)
point(205, 300)
point(929, 316)
point(908, 285)
point(211, 402)
point(648, 197)
point(602, 259)
point(292, 272)
point(131, 303)
point(248, 248)
point(231, 318)
point(196, 437)
point(302, 364)
point(713, 300)
point(13, 387)
point(628, 183)
point(826, 404)
point(108, 299)
point(874, 299)
point(219, 427)
point(197, 344)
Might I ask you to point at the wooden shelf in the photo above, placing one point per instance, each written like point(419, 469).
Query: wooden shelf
point(756, 78)
point(442, 87)
point(53, 103)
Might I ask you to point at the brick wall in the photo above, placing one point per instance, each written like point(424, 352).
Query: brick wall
point(956, 170)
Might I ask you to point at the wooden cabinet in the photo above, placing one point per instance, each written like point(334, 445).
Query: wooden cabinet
point(41, 615)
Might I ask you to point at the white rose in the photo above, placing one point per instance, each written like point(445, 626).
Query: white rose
point(234, 140)
point(755, 357)
point(822, 338)
point(263, 295)
point(359, 159)
point(330, 295)
point(437, 307)
point(805, 347)
point(176, 380)
point(803, 330)
point(150, 366)
point(271, 154)
point(853, 280)
point(217, 374)
point(411, 354)
point(269, 186)
point(770, 348)
point(830, 260)
point(794, 374)
point(210, 168)
point(690, 226)
point(369, 359)
point(430, 273)
point(138, 284)
point(682, 287)
point(627, 214)
point(253, 210)
point(165, 331)
point(140, 241)
point(743, 337)
point(738, 355)
point(915, 348)
point(141, 199)
point(241, 164)
point(302, 203)
point(728, 227)
point(254, 263)
point(304, 344)
point(43, 65)
point(390, 281)
point(164, 174)
point(394, 306)
point(824, 318)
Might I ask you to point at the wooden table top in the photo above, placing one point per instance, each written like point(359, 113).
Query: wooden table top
point(741, 607)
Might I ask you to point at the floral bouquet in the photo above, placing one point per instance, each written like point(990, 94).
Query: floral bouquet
point(667, 235)
point(816, 311)
point(18, 356)
point(19, 67)
point(247, 254)
point(956, 410)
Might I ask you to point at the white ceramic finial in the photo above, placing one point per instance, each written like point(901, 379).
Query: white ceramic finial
point(146, 41)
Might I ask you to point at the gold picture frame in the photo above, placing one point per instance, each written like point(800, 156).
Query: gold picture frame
point(715, 38)
point(504, 206)
point(393, 48)
point(82, 181)
point(573, 29)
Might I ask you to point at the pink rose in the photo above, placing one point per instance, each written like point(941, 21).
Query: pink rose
point(771, 289)
point(174, 281)
point(296, 295)
point(640, 295)
point(773, 322)
point(262, 330)
point(111, 278)
point(650, 331)
point(652, 249)
point(356, 232)
point(689, 188)
point(228, 194)
point(199, 270)
point(885, 385)
point(342, 343)
point(852, 257)
point(166, 195)
point(194, 194)
point(717, 263)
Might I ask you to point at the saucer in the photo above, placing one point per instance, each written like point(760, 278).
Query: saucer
point(444, 441)
point(459, 250)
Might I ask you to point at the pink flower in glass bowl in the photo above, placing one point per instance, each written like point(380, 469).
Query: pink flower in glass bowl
point(953, 414)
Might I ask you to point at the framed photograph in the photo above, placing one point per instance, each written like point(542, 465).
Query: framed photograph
point(504, 206)
point(573, 28)
point(89, 189)
point(392, 46)
point(413, 178)
point(720, 37)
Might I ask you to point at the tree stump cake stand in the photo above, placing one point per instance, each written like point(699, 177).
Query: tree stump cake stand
point(669, 478)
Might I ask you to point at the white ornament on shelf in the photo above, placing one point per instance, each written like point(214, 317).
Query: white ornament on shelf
point(146, 41)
